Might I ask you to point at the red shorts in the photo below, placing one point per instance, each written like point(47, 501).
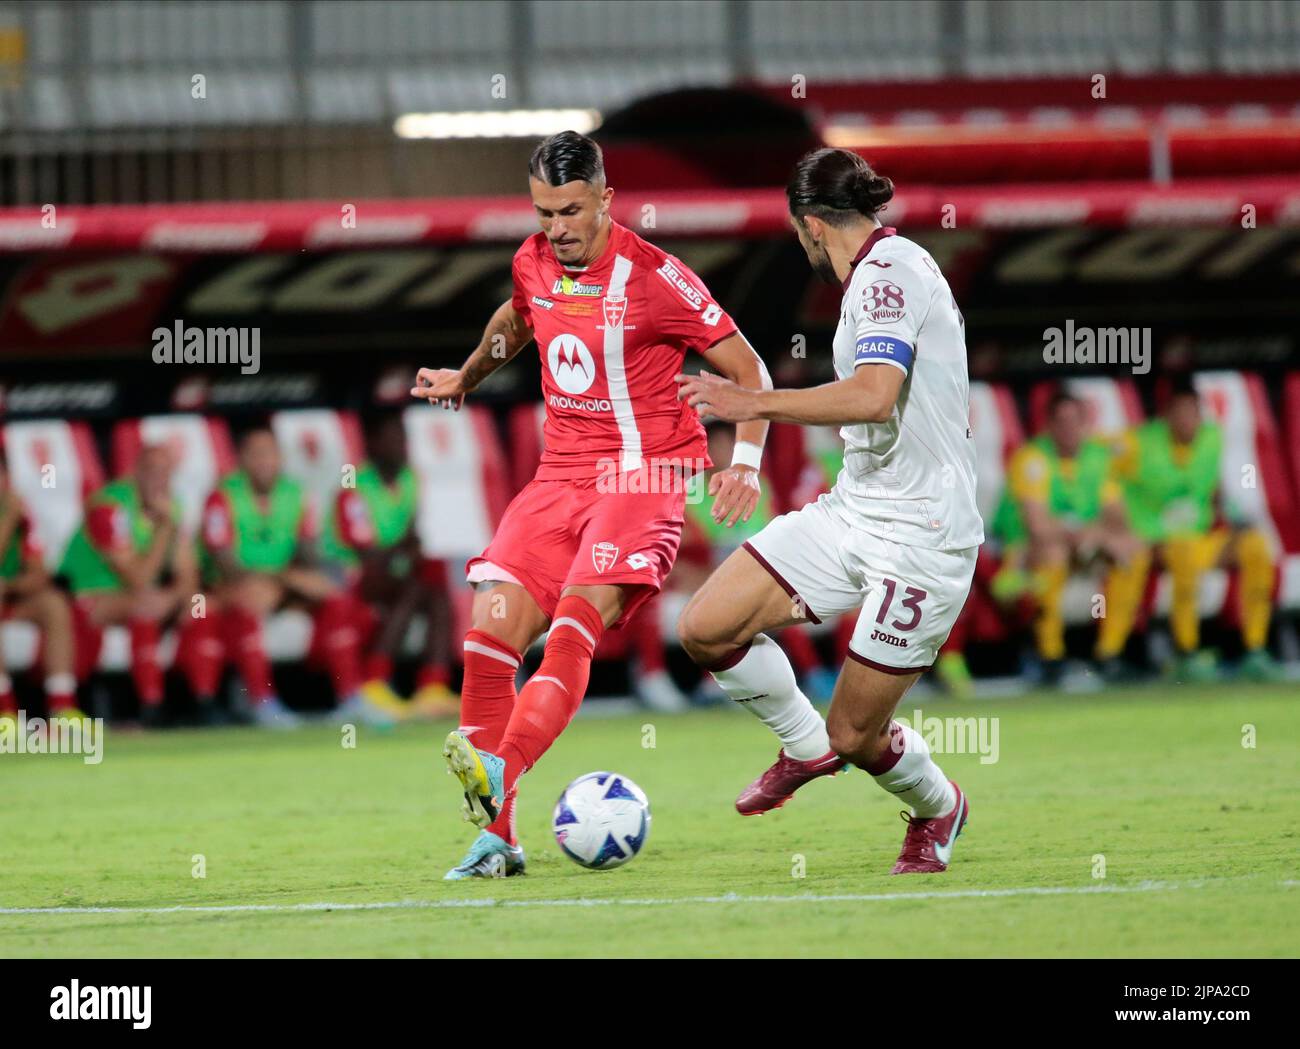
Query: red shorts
point(557, 534)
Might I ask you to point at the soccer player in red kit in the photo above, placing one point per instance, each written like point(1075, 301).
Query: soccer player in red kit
point(592, 537)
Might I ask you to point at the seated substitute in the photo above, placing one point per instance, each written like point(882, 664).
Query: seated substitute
point(1069, 513)
point(27, 593)
point(260, 539)
point(376, 520)
point(132, 564)
point(1169, 468)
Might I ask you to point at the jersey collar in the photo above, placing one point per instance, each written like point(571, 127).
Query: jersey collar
point(877, 235)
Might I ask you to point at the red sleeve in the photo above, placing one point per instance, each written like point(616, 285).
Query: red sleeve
point(218, 523)
point(108, 528)
point(353, 517)
point(685, 311)
point(519, 271)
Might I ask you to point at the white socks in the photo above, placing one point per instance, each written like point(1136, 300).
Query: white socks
point(763, 682)
point(60, 684)
point(913, 777)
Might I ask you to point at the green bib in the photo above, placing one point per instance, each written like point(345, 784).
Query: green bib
point(391, 508)
point(11, 558)
point(1008, 526)
point(1075, 494)
point(701, 511)
point(1167, 497)
point(264, 541)
point(88, 570)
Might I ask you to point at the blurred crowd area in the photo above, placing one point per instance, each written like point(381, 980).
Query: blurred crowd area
point(123, 101)
point(261, 567)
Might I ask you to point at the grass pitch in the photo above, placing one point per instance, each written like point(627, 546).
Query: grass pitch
point(1199, 837)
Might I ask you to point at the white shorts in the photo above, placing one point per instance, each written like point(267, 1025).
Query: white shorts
point(910, 596)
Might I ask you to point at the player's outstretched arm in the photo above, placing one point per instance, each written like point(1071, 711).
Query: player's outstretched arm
point(735, 489)
point(867, 396)
point(505, 335)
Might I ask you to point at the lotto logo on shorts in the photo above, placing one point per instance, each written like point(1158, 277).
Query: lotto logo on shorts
point(603, 556)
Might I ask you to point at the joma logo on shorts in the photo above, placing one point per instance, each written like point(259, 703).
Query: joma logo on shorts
point(889, 639)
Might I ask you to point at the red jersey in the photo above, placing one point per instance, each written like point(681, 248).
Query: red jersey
point(612, 338)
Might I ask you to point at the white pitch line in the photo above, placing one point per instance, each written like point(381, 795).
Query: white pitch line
point(671, 901)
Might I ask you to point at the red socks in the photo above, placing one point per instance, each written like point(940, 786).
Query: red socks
point(379, 667)
point(146, 671)
point(200, 654)
point(551, 697)
point(487, 698)
point(244, 643)
point(649, 638)
point(440, 674)
point(339, 643)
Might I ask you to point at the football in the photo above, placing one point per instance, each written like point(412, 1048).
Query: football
point(601, 820)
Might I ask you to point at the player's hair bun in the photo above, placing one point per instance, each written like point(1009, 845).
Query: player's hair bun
point(836, 185)
point(871, 192)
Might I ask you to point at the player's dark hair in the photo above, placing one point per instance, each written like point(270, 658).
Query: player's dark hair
point(567, 157)
point(1182, 385)
point(1059, 398)
point(247, 427)
point(375, 419)
point(837, 186)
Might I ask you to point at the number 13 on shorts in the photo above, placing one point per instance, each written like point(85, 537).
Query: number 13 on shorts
point(906, 619)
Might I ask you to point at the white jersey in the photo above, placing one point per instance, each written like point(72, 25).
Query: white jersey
point(911, 479)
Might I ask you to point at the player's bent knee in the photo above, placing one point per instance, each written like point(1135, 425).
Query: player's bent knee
point(851, 742)
point(702, 636)
point(507, 613)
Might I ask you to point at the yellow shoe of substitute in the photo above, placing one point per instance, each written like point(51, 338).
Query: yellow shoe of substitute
point(380, 694)
point(432, 702)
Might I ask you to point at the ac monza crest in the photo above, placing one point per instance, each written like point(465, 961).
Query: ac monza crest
point(603, 556)
point(615, 307)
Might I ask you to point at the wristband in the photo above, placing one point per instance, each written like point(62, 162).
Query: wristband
point(747, 453)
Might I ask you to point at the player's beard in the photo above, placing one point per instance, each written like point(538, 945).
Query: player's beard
point(821, 264)
point(569, 254)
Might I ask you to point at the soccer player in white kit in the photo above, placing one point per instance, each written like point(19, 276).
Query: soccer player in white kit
point(896, 536)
